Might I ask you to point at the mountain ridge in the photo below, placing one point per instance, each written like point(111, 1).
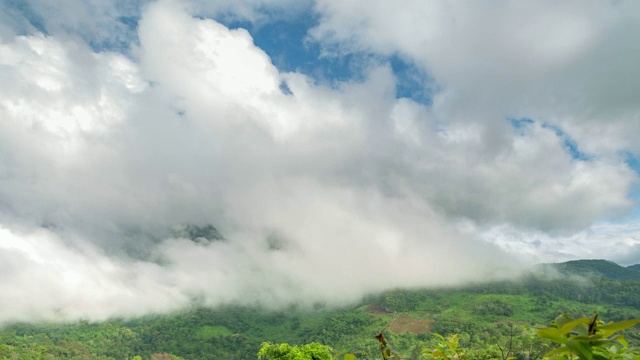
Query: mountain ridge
point(599, 269)
point(635, 267)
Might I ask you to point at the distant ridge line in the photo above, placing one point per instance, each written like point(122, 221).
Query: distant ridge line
point(599, 269)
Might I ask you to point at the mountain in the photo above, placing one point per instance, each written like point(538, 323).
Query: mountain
point(198, 233)
point(600, 269)
point(635, 267)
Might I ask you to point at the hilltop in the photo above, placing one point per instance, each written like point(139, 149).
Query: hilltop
point(600, 269)
point(634, 267)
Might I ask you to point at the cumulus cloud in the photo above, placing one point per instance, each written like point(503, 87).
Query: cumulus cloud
point(114, 167)
point(571, 64)
point(103, 156)
point(536, 60)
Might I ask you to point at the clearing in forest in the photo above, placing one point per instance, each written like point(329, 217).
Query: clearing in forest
point(405, 324)
point(376, 309)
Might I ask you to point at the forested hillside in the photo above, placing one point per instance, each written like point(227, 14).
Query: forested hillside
point(599, 269)
point(488, 319)
point(635, 267)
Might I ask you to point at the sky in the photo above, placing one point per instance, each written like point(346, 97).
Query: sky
point(156, 155)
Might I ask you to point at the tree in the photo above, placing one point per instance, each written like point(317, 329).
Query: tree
point(284, 351)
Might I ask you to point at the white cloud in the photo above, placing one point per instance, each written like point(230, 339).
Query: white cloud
point(110, 153)
point(44, 279)
point(323, 194)
point(572, 63)
point(606, 240)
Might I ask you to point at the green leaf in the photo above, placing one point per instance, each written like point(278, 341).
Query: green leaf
point(620, 338)
point(600, 357)
point(567, 327)
point(562, 319)
point(560, 350)
point(552, 334)
point(588, 338)
point(440, 354)
point(581, 349)
point(617, 326)
point(349, 357)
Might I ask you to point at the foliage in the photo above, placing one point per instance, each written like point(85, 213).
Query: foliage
point(399, 300)
point(447, 348)
point(600, 269)
point(479, 314)
point(589, 339)
point(312, 351)
point(493, 307)
point(385, 349)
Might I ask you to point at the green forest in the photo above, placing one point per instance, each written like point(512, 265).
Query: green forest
point(497, 320)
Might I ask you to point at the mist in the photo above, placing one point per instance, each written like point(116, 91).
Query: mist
point(181, 174)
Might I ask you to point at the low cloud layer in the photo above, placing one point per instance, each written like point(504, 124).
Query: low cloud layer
point(320, 194)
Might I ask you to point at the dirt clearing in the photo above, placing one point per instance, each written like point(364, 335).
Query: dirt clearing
point(405, 324)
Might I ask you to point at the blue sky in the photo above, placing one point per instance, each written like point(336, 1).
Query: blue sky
point(350, 131)
point(287, 43)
